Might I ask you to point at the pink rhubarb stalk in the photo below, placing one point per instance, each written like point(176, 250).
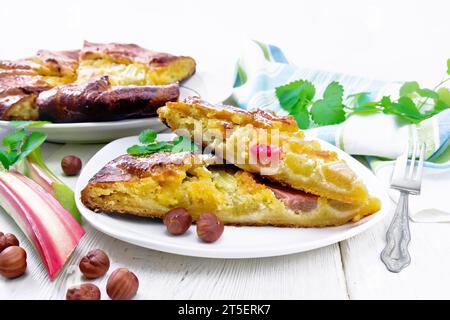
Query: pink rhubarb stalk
point(51, 228)
point(34, 167)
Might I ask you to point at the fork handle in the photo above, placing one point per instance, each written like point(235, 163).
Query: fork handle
point(395, 255)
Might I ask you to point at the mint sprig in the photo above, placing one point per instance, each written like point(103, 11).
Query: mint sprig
point(413, 105)
point(150, 145)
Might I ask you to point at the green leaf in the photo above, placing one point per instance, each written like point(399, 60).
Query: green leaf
point(324, 113)
point(32, 141)
point(406, 109)
point(4, 159)
point(330, 109)
point(334, 93)
point(13, 139)
point(147, 136)
point(357, 99)
point(149, 148)
point(21, 124)
point(365, 108)
point(295, 95)
point(444, 96)
point(427, 93)
point(182, 143)
point(448, 66)
point(408, 88)
point(66, 197)
point(303, 119)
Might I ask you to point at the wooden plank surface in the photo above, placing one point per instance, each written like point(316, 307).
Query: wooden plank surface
point(315, 274)
point(428, 276)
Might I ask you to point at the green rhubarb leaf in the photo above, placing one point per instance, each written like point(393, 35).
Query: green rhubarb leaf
point(147, 136)
point(13, 140)
point(66, 198)
point(408, 88)
point(32, 141)
point(4, 159)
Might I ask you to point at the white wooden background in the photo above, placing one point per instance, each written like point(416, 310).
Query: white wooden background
point(383, 39)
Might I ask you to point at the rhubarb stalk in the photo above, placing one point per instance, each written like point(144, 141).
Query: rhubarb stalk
point(34, 167)
point(51, 228)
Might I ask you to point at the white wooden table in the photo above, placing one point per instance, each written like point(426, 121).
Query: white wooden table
point(384, 39)
point(348, 270)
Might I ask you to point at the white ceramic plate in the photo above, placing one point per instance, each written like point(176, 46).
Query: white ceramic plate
point(98, 132)
point(236, 242)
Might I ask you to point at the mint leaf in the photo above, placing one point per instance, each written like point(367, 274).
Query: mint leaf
point(406, 109)
point(149, 148)
point(325, 113)
point(295, 95)
point(334, 93)
point(182, 143)
point(444, 96)
point(357, 99)
point(330, 109)
point(147, 136)
point(408, 88)
point(427, 93)
point(302, 118)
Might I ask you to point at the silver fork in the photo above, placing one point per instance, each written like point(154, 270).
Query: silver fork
point(407, 179)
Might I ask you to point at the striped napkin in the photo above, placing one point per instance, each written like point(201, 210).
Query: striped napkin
point(375, 139)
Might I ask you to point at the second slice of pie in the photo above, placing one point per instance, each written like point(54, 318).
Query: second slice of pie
point(264, 143)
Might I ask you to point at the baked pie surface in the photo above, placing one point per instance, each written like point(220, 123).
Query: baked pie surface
point(133, 75)
point(233, 133)
point(150, 186)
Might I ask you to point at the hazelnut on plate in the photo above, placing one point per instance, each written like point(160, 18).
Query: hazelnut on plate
point(209, 227)
point(177, 221)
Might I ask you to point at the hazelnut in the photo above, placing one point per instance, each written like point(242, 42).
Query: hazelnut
point(95, 264)
point(7, 240)
point(177, 221)
point(209, 227)
point(13, 262)
point(71, 165)
point(85, 291)
point(122, 285)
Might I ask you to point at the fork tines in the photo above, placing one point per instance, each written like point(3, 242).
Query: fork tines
point(407, 174)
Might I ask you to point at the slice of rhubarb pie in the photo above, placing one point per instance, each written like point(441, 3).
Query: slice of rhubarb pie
point(264, 143)
point(151, 185)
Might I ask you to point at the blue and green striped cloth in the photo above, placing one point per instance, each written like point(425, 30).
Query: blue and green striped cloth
point(375, 138)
